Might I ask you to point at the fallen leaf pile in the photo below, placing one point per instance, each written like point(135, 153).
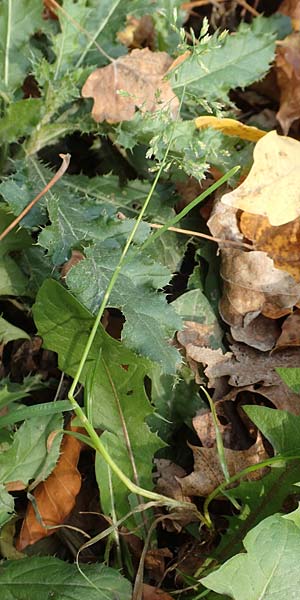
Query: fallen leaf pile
point(260, 300)
point(262, 285)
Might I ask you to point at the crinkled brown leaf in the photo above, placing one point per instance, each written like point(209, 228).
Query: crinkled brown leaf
point(54, 497)
point(204, 426)
point(223, 223)
point(272, 187)
point(253, 285)
point(167, 474)
point(243, 366)
point(288, 78)
point(281, 243)
point(260, 333)
point(290, 332)
point(140, 75)
point(208, 474)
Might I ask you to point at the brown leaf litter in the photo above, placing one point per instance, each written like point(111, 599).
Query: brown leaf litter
point(133, 80)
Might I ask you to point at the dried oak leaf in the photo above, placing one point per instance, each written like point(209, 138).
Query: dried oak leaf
point(244, 365)
point(287, 67)
point(54, 497)
point(167, 476)
point(252, 285)
point(134, 80)
point(223, 223)
point(281, 243)
point(261, 333)
point(290, 332)
point(208, 474)
point(279, 394)
point(272, 187)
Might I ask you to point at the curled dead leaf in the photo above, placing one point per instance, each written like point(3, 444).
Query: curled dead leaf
point(290, 332)
point(288, 78)
point(281, 243)
point(260, 333)
point(76, 257)
point(54, 497)
point(133, 80)
point(251, 283)
point(230, 127)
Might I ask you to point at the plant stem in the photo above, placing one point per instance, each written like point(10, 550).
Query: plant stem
point(219, 490)
point(189, 207)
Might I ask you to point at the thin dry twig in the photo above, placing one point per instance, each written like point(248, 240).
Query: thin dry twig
point(203, 235)
point(61, 171)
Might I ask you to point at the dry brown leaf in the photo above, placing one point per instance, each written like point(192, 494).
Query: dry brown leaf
point(138, 32)
point(204, 426)
point(281, 243)
point(291, 8)
point(140, 75)
point(230, 127)
point(261, 333)
point(76, 257)
point(244, 365)
point(167, 477)
point(155, 563)
point(199, 334)
point(223, 223)
point(211, 358)
point(167, 474)
point(251, 283)
point(281, 396)
point(272, 187)
point(288, 78)
point(153, 593)
point(208, 474)
point(290, 332)
point(54, 497)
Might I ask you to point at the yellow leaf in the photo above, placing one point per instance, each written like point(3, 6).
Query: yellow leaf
point(231, 127)
point(272, 188)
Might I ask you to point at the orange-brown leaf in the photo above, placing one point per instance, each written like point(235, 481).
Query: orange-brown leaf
point(281, 243)
point(140, 75)
point(54, 497)
point(290, 334)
